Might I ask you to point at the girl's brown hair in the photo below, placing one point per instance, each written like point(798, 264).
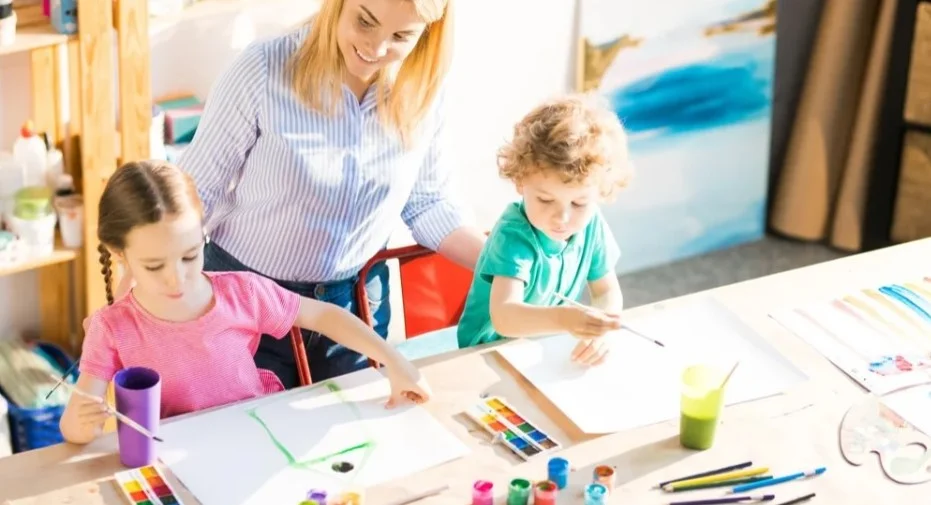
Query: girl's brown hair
point(137, 194)
point(317, 68)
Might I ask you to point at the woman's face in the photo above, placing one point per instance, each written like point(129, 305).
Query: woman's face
point(372, 34)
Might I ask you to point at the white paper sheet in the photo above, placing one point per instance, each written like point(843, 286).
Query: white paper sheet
point(914, 405)
point(232, 456)
point(639, 384)
point(880, 345)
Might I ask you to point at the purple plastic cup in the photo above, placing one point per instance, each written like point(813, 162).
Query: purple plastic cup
point(138, 392)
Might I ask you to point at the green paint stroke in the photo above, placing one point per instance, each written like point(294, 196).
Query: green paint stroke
point(367, 446)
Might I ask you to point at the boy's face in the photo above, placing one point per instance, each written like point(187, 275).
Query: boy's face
point(557, 208)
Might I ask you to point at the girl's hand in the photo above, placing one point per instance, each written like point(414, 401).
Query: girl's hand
point(586, 323)
point(591, 352)
point(91, 413)
point(407, 385)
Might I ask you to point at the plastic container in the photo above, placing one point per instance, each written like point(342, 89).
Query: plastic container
point(30, 150)
point(32, 428)
point(70, 211)
point(7, 26)
point(12, 179)
point(6, 440)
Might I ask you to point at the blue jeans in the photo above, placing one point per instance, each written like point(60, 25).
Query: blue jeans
point(326, 358)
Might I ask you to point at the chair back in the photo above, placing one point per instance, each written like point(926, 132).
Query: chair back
point(433, 289)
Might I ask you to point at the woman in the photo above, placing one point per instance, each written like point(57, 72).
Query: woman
point(313, 143)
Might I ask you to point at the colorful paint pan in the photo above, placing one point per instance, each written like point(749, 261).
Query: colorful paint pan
point(512, 428)
point(146, 486)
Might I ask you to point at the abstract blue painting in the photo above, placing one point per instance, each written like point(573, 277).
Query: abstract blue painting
point(692, 83)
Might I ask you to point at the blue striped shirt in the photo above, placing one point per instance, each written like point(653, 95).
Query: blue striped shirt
point(301, 196)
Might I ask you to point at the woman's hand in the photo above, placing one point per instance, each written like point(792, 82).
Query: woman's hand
point(406, 384)
point(587, 323)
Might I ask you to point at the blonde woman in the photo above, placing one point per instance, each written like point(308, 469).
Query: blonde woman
point(312, 145)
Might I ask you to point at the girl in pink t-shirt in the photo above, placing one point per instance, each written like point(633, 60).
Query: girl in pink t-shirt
point(199, 330)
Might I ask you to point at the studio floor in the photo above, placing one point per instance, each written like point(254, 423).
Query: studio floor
point(749, 261)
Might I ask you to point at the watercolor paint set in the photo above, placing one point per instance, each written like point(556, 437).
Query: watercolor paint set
point(146, 486)
point(504, 423)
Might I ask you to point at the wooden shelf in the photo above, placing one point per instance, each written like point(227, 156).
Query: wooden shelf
point(60, 255)
point(34, 37)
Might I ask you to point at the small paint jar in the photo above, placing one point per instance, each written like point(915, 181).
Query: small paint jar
point(317, 495)
point(483, 493)
point(544, 493)
point(558, 472)
point(519, 492)
point(604, 475)
point(595, 494)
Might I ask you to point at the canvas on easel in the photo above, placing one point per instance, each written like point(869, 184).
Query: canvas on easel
point(692, 83)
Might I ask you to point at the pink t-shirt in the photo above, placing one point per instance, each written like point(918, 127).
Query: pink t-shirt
point(202, 363)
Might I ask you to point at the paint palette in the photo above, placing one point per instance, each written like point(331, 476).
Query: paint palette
point(147, 486)
point(511, 428)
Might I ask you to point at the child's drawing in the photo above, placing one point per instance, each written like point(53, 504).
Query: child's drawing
point(335, 436)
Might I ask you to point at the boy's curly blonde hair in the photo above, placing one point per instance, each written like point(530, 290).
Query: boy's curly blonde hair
point(576, 136)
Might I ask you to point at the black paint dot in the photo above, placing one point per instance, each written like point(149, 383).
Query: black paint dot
point(342, 467)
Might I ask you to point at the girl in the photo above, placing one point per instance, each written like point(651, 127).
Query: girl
point(198, 330)
point(567, 156)
point(327, 135)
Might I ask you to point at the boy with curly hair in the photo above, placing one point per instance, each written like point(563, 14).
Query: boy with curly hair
point(566, 156)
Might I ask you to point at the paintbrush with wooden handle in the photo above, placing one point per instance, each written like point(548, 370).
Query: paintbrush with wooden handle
point(122, 417)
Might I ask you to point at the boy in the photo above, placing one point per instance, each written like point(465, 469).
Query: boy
point(567, 156)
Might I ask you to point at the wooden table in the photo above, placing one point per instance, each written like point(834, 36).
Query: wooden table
point(788, 433)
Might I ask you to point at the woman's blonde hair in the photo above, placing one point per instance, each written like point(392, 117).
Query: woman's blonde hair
point(317, 68)
point(575, 136)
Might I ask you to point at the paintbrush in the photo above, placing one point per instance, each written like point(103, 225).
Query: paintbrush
point(625, 327)
point(63, 378)
point(122, 417)
point(420, 496)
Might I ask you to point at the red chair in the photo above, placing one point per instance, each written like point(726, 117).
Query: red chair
point(433, 289)
point(300, 356)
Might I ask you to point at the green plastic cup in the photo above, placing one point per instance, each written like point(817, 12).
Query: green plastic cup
point(702, 399)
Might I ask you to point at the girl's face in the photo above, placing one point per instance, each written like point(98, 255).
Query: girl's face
point(372, 34)
point(558, 209)
point(166, 258)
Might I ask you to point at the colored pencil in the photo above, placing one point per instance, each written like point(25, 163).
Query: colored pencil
point(723, 483)
point(624, 327)
point(800, 499)
point(716, 471)
point(122, 417)
point(63, 378)
point(776, 480)
point(731, 499)
point(750, 472)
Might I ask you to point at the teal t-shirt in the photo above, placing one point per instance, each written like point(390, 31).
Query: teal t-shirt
point(516, 249)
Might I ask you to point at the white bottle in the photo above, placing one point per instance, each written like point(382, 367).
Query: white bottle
point(30, 150)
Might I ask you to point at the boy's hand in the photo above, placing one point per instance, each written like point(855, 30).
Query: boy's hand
point(587, 323)
point(591, 352)
point(406, 385)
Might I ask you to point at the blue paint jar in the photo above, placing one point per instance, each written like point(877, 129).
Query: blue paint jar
point(558, 472)
point(595, 494)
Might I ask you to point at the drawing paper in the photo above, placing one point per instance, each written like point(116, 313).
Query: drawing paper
point(880, 337)
point(640, 382)
point(336, 436)
point(914, 405)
